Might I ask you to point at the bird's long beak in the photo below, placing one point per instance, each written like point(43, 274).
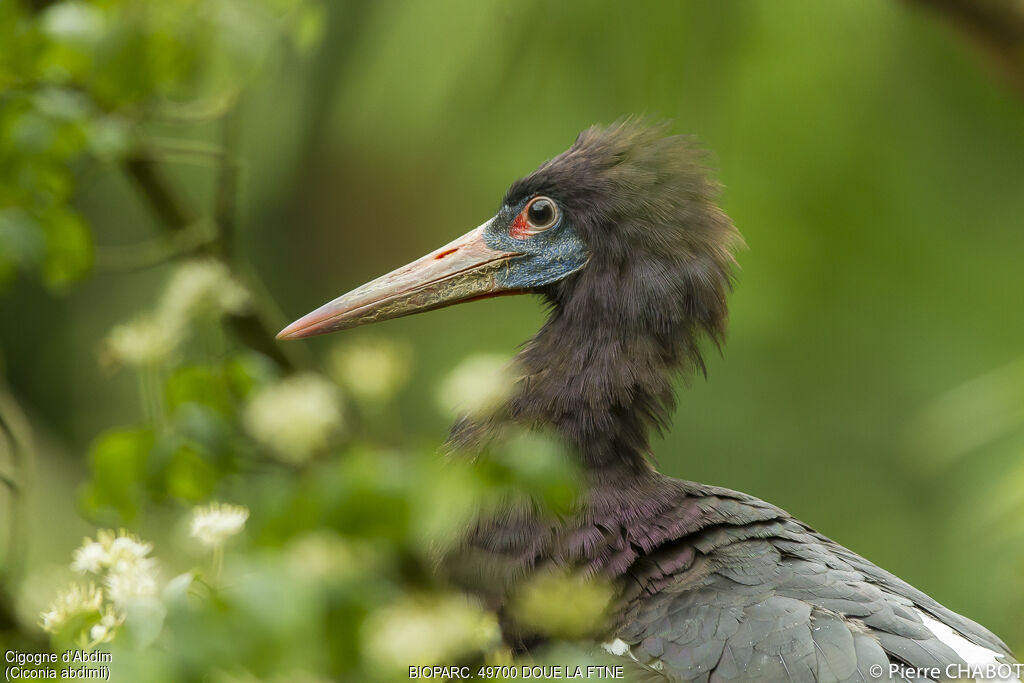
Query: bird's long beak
point(459, 271)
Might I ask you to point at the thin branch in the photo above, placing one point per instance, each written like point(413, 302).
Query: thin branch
point(15, 425)
point(162, 196)
point(10, 482)
point(174, 214)
point(163, 148)
point(247, 327)
point(226, 195)
point(997, 26)
point(155, 251)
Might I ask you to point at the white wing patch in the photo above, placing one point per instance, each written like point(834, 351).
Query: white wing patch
point(974, 655)
point(617, 647)
point(620, 648)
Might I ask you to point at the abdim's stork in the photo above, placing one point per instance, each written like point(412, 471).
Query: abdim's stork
point(622, 236)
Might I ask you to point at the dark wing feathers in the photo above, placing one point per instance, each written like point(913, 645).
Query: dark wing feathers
point(756, 595)
point(719, 586)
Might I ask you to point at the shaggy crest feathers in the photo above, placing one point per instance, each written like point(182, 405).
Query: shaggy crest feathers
point(600, 370)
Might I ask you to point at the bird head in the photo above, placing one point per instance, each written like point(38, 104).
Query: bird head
point(620, 196)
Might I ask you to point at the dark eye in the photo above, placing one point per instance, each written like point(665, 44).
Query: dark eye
point(542, 213)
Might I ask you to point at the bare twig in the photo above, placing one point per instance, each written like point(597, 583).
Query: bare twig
point(226, 196)
point(155, 251)
point(14, 427)
point(175, 215)
point(158, 190)
point(997, 26)
point(163, 149)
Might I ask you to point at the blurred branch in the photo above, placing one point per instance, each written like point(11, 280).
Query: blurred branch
point(226, 194)
point(153, 252)
point(995, 25)
point(165, 148)
point(176, 216)
point(197, 111)
point(154, 185)
point(14, 425)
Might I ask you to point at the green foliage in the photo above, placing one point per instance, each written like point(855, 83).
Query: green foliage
point(84, 82)
point(562, 605)
point(119, 461)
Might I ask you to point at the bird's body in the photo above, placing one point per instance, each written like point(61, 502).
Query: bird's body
point(716, 585)
point(622, 237)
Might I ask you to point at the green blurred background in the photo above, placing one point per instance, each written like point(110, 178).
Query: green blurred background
point(872, 384)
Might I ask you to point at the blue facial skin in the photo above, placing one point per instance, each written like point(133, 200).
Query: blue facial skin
point(547, 256)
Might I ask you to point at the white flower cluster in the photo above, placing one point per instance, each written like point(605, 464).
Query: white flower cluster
point(130, 579)
point(123, 561)
point(143, 341)
point(215, 523)
point(296, 417)
point(371, 371)
point(426, 631)
point(202, 286)
point(477, 385)
point(73, 601)
point(196, 287)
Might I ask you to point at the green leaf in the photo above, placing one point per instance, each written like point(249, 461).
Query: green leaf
point(144, 619)
point(118, 465)
point(308, 27)
point(189, 476)
point(109, 137)
point(68, 248)
point(248, 371)
point(200, 384)
point(21, 240)
point(176, 590)
point(540, 465)
point(210, 431)
point(61, 104)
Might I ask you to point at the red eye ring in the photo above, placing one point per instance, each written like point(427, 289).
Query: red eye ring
point(539, 214)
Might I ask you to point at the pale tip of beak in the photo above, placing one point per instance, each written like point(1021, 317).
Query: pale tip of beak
point(293, 331)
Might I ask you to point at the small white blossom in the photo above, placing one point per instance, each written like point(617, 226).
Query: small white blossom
point(91, 557)
point(214, 524)
point(197, 286)
point(124, 548)
point(295, 417)
point(201, 285)
point(143, 341)
point(71, 602)
point(426, 631)
point(98, 633)
point(116, 551)
point(75, 22)
point(324, 556)
point(477, 385)
point(131, 583)
point(371, 371)
point(105, 629)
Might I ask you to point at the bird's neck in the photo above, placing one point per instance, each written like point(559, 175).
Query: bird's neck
point(598, 384)
point(601, 370)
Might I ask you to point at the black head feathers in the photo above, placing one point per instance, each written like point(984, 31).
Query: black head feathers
point(601, 369)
